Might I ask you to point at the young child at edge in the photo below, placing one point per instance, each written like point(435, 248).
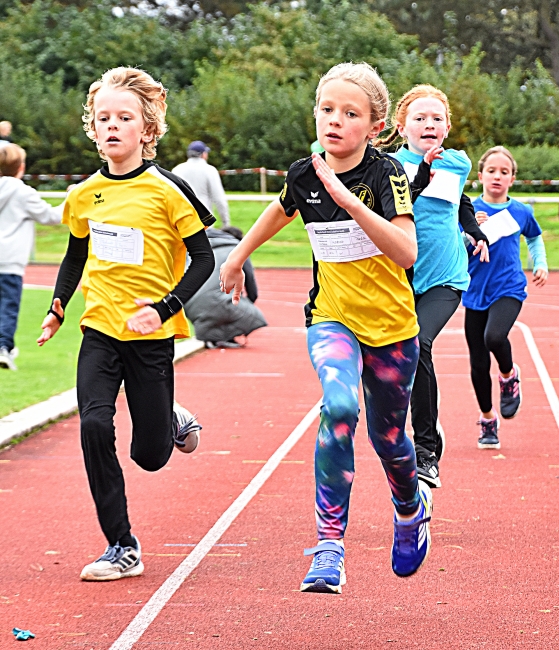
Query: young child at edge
point(496, 292)
point(20, 207)
point(133, 307)
point(440, 274)
point(360, 316)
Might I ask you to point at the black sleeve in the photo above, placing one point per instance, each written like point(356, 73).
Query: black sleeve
point(71, 269)
point(250, 281)
point(200, 269)
point(421, 180)
point(467, 219)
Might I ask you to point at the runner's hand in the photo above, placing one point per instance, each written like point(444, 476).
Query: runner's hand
point(481, 217)
point(483, 250)
point(51, 324)
point(434, 153)
point(540, 277)
point(145, 321)
point(334, 186)
point(231, 278)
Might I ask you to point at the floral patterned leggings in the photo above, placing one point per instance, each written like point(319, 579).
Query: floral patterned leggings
point(387, 373)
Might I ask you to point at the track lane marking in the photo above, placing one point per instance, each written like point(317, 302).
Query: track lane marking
point(541, 368)
point(155, 604)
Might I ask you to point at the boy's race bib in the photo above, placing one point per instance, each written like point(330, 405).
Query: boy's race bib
point(340, 241)
point(117, 243)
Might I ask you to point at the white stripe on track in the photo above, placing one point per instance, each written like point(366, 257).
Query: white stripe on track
point(155, 604)
point(542, 370)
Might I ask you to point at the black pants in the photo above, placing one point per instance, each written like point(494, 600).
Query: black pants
point(147, 370)
point(434, 309)
point(487, 331)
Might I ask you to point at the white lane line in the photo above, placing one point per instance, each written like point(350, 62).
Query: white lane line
point(155, 604)
point(542, 370)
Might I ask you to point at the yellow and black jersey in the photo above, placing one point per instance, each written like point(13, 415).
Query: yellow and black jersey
point(372, 296)
point(150, 201)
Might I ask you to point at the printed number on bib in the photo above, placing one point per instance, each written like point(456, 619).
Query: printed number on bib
point(340, 241)
point(117, 243)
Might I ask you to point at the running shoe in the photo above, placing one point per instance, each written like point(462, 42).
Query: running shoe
point(412, 539)
point(115, 563)
point(428, 469)
point(488, 438)
point(187, 429)
point(327, 572)
point(511, 395)
point(7, 358)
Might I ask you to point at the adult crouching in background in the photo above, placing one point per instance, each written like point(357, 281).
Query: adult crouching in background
point(216, 320)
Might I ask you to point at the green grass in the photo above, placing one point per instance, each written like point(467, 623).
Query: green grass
point(47, 371)
point(290, 247)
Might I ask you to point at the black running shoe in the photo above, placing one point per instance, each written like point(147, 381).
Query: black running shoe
point(428, 469)
point(488, 438)
point(511, 395)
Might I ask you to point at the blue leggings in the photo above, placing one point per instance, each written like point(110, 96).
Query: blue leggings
point(387, 373)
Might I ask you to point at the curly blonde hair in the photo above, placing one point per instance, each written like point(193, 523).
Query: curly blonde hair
point(401, 112)
point(150, 93)
point(367, 78)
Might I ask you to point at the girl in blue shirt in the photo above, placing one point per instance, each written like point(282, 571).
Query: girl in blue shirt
point(440, 274)
point(496, 292)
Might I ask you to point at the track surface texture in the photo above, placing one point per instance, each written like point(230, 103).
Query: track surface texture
point(489, 582)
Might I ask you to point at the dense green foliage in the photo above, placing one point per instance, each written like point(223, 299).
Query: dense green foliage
point(246, 85)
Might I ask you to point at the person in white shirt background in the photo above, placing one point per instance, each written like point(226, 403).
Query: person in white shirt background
point(204, 179)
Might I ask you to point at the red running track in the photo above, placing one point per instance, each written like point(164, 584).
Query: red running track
point(490, 581)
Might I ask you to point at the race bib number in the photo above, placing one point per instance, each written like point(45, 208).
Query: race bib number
point(500, 224)
point(117, 243)
point(340, 241)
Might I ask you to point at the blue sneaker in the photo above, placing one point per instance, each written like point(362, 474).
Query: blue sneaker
point(412, 539)
point(489, 436)
point(327, 572)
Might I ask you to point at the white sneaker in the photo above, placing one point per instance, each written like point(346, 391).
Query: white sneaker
point(115, 563)
point(187, 429)
point(7, 358)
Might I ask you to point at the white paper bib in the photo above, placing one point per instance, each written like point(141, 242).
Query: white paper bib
point(340, 241)
point(117, 243)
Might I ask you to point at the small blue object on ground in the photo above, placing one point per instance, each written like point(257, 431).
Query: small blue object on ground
point(22, 635)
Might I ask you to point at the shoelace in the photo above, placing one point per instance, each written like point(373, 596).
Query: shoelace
point(488, 428)
point(326, 560)
point(405, 539)
point(112, 553)
point(187, 428)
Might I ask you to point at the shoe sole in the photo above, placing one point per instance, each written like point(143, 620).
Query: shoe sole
point(188, 448)
point(320, 586)
point(485, 445)
point(510, 417)
point(117, 575)
point(430, 513)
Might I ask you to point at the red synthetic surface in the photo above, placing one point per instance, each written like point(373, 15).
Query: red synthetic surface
point(491, 578)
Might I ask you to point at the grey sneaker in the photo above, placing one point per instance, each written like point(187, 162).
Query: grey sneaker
point(187, 429)
point(511, 394)
point(488, 436)
point(7, 358)
point(115, 563)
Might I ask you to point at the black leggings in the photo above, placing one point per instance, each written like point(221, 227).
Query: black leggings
point(434, 309)
point(146, 366)
point(487, 331)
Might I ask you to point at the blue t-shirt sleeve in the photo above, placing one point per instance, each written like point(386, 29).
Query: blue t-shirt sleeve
point(531, 227)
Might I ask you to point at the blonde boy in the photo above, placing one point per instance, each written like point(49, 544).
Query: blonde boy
point(130, 224)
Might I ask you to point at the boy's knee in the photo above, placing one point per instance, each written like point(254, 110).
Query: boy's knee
point(150, 459)
point(95, 426)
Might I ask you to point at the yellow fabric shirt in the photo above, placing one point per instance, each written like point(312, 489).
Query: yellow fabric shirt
point(372, 297)
point(162, 206)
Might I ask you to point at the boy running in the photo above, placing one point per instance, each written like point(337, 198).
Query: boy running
point(130, 225)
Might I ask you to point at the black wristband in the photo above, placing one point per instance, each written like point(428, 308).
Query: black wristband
point(173, 304)
point(58, 316)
